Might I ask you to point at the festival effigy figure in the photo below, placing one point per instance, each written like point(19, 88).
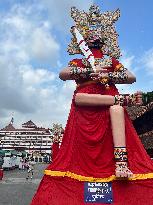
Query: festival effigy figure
point(56, 132)
point(100, 145)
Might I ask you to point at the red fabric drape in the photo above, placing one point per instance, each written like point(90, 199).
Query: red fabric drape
point(66, 191)
point(55, 149)
point(87, 151)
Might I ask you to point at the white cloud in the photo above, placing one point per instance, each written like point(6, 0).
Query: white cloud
point(34, 77)
point(59, 11)
point(127, 60)
point(43, 46)
point(26, 40)
point(54, 105)
point(27, 35)
point(127, 88)
point(142, 68)
point(147, 61)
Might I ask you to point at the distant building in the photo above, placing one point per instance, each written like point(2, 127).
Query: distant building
point(30, 138)
point(142, 117)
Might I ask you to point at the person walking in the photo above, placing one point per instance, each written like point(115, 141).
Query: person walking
point(30, 166)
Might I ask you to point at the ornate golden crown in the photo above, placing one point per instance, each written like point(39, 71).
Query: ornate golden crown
point(96, 25)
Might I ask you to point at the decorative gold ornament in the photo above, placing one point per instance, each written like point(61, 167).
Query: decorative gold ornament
point(95, 25)
point(57, 132)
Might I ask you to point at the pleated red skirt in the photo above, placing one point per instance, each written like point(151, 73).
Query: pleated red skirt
point(86, 155)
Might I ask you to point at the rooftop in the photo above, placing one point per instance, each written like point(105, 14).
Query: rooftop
point(137, 111)
point(9, 127)
point(27, 126)
point(147, 139)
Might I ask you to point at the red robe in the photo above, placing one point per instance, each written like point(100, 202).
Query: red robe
point(86, 155)
point(55, 150)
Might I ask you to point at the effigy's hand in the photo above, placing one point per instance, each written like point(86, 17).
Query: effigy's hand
point(100, 72)
point(98, 76)
point(100, 69)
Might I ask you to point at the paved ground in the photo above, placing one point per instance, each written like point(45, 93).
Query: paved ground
point(16, 190)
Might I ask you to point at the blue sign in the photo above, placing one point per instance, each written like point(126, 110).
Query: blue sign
point(98, 192)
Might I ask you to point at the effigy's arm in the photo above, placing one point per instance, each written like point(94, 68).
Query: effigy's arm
point(76, 72)
point(117, 77)
point(131, 77)
point(122, 77)
point(118, 74)
point(65, 74)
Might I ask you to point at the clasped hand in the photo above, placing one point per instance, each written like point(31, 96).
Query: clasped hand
point(100, 72)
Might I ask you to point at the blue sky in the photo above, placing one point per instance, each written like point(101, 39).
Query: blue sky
point(33, 40)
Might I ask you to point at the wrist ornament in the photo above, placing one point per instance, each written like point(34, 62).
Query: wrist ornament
point(125, 100)
point(119, 100)
point(120, 154)
point(118, 76)
point(79, 72)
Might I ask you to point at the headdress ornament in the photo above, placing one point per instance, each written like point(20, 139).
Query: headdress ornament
point(56, 132)
point(95, 25)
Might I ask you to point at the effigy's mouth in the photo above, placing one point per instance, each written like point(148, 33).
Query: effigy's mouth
point(92, 43)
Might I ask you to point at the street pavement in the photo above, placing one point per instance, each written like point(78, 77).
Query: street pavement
point(16, 190)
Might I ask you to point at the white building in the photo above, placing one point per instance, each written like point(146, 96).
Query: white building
point(30, 138)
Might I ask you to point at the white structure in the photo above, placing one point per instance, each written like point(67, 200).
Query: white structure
point(30, 138)
point(7, 163)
